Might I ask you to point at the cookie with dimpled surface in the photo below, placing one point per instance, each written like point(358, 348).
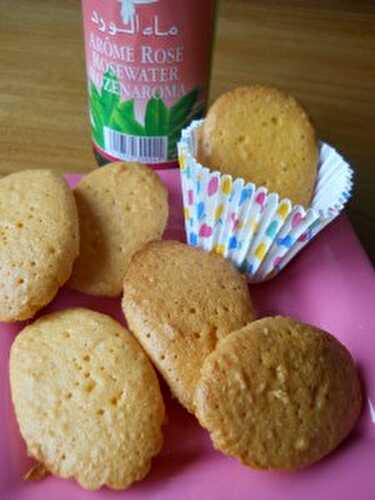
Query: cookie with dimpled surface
point(39, 241)
point(263, 135)
point(86, 398)
point(179, 302)
point(121, 207)
point(278, 394)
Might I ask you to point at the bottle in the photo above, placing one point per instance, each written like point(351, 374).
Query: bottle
point(148, 67)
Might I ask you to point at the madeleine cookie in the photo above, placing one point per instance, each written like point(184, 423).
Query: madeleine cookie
point(121, 207)
point(179, 302)
point(86, 398)
point(39, 241)
point(264, 136)
point(278, 394)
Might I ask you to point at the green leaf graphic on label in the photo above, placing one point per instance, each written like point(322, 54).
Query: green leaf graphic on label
point(94, 94)
point(180, 111)
point(97, 114)
point(110, 92)
point(181, 114)
point(123, 119)
point(156, 117)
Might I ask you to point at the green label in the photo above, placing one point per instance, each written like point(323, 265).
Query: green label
point(115, 128)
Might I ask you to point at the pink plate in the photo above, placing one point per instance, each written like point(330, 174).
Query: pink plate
point(330, 284)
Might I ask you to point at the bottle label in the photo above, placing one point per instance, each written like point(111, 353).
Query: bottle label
point(148, 68)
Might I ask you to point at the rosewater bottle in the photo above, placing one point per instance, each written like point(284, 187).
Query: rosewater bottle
point(148, 67)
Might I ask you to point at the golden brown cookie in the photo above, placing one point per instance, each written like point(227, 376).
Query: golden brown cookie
point(121, 207)
point(86, 398)
point(39, 241)
point(264, 136)
point(179, 301)
point(278, 394)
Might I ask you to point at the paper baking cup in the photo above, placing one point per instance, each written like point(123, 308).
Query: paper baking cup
point(254, 229)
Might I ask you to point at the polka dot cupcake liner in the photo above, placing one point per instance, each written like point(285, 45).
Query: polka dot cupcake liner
point(254, 229)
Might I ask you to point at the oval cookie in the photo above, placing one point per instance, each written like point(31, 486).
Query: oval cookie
point(278, 394)
point(121, 207)
point(179, 302)
point(264, 136)
point(87, 399)
point(39, 241)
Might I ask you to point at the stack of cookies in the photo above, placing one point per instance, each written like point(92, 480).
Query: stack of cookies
point(50, 235)
point(86, 397)
point(273, 392)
